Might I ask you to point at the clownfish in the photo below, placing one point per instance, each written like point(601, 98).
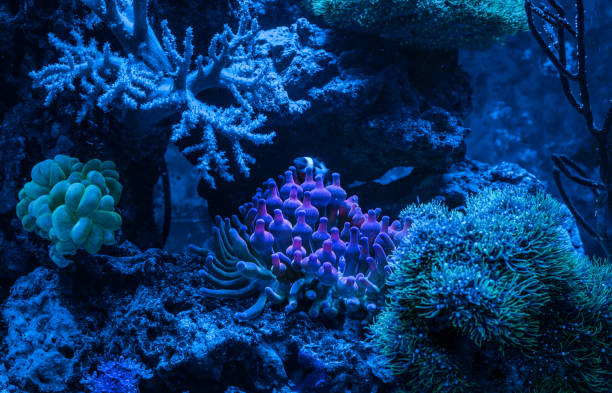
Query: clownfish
point(318, 166)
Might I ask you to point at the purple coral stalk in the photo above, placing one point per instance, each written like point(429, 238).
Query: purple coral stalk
point(275, 255)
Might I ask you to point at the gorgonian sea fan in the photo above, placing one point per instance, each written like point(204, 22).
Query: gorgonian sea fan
point(274, 252)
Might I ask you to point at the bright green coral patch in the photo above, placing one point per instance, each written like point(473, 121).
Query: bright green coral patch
point(493, 298)
point(72, 204)
point(429, 24)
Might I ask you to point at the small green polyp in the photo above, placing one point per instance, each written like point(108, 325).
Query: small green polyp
point(58, 193)
point(62, 223)
point(81, 230)
point(108, 220)
point(72, 204)
point(74, 195)
point(90, 201)
point(94, 240)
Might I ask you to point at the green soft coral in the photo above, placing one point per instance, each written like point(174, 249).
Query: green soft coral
point(493, 298)
point(71, 204)
point(430, 24)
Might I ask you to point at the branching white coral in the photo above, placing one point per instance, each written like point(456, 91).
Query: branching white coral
point(154, 81)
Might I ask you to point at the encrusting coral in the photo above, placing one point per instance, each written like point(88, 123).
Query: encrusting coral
point(119, 375)
point(431, 24)
point(72, 204)
point(493, 298)
point(276, 254)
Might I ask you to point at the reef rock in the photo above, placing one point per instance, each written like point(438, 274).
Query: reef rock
point(373, 106)
point(43, 343)
point(147, 306)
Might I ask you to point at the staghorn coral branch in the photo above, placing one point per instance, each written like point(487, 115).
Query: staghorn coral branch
point(111, 11)
point(152, 81)
point(219, 51)
point(132, 31)
point(181, 80)
point(141, 24)
point(102, 74)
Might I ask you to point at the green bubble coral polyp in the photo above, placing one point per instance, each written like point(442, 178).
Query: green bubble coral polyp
point(71, 204)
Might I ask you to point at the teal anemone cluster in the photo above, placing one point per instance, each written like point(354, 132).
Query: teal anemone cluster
point(275, 254)
point(71, 204)
point(493, 298)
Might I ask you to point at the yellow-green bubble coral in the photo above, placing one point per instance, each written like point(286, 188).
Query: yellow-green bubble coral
point(71, 204)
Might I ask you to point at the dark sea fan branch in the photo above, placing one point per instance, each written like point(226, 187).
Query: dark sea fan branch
point(551, 21)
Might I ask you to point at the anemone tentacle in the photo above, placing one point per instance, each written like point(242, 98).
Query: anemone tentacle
point(275, 252)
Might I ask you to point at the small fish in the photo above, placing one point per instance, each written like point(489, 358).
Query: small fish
point(356, 183)
point(394, 174)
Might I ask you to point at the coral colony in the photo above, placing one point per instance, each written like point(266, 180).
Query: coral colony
point(72, 204)
point(151, 81)
point(487, 291)
point(495, 289)
point(276, 254)
point(439, 24)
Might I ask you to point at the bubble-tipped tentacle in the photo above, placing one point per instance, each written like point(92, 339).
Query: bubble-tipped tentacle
point(274, 253)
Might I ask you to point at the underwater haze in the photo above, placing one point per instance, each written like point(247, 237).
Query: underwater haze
point(236, 196)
